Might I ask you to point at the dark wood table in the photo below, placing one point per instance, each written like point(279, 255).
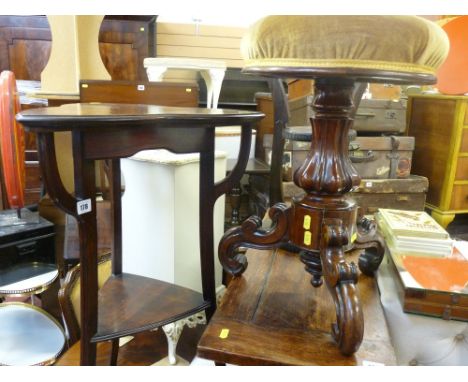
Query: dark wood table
point(129, 304)
point(271, 315)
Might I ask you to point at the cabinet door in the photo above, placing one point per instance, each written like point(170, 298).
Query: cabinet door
point(124, 42)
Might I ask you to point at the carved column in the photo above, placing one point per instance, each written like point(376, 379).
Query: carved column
point(327, 174)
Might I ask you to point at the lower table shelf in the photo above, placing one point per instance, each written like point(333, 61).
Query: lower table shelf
point(130, 304)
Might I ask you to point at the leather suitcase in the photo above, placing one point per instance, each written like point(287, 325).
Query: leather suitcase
point(372, 194)
point(372, 157)
point(373, 115)
point(400, 194)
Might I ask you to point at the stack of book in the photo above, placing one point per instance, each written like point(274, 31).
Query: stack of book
point(414, 233)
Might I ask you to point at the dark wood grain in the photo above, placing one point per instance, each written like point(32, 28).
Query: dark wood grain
point(126, 306)
point(25, 45)
point(140, 92)
point(85, 188)
point(275, 317)
point(115, 195)
point(124, 42)
point(84, 116)
point(145, 349)
point(281, 116)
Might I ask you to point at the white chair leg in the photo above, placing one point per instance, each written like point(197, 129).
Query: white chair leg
point(173, 332)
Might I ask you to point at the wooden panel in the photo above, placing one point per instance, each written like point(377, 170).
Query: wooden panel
point(24, 45)
point(120, 61)
point(430, 122)
point(459, 199)
point(462, 169)
point(464, 141)
point(199, 52)
point(124, 42)
point(385, 91)
point(265, 126)
point(203, 30)
point(211, 42)
point(32, 190)
point(198, 41)
point(370, 203)
point(153, 93)
point(300, 88)
point(28, 58)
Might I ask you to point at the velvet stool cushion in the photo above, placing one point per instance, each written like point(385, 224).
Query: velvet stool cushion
point(407, 44)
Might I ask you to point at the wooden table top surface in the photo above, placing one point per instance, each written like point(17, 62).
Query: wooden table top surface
point(273, 316)
point(85, 116)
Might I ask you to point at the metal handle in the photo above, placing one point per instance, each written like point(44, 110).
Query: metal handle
point(368, 156)
point(27, 248)
point(364, 115)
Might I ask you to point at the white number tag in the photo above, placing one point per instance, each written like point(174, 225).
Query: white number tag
point(83, 206)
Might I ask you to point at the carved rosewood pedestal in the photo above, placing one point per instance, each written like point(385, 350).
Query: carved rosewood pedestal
point(323, 223)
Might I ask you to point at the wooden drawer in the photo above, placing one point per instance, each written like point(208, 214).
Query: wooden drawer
point(459, 197)
point(464, 141)
point(462, 169)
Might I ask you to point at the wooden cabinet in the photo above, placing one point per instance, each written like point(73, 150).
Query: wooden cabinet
point(124, 41)
point(439, 124)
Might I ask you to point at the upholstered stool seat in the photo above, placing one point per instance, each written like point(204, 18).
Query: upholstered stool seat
point(402, 44)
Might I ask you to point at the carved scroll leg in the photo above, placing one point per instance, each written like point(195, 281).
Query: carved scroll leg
point(341, 279)
point(372, 243)
point(251, 235)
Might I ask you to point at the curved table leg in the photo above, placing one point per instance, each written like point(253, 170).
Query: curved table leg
point(341, 278)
